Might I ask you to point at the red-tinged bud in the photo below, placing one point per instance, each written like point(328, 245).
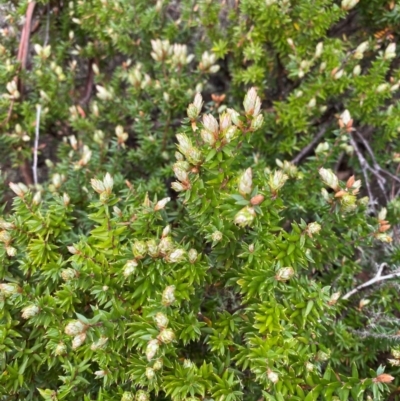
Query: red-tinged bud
point(383, 378)
point(72, 249)
point(256, 200)
point(19, 189)
point(252, 103)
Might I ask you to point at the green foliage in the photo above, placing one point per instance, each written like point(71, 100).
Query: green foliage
point(237, 279)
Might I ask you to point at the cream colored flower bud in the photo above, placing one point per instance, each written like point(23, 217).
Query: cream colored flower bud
point(139, 249)
point(273, 376)
point(30, 311)
point(103, 93)
point(390, 51)
point(382, 88)
point(158, 364)
point(19, 189)
point(68, 274)
point(142, 396)
point(8, 289)
point(257, 122)
point(168, 295)
point(61, 349)
point(127, 396)
point(37, 198)
point(357, 70)
point(75, 327)
point(235, 116)
point(72, 249)
point(349, 4)
point(277, 181)
point(252, 103)
point(312, 103)
point(284, 274)
point(150, 373)
point(166, 336)
point(100, 373)
point(161, 320)
point(11, 251)
point(5, 237)
point(66, 199)
point(334, 298)
point(161, 204)
point(152, 349)
point(382, 214)
point(246, 182)
point(313, 228)
point(185, 144)
point(319, 49)
point(245, 216)
point(178, 187)
point(329, 178)
point(166, 245)
point(99, 343)
point(192, 254)
point(78, 340)
point(177, 256)
point(216, 236)
point(129, 268)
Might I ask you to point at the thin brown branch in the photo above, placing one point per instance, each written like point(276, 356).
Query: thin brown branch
point(307, 149)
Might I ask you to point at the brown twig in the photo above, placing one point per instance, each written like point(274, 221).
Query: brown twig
point(22, 56)
point(307, 149)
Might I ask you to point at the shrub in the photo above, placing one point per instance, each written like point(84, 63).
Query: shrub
point(266, 269)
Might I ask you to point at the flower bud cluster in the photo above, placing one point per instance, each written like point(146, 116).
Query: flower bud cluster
point(104, 188)
point(9, 289)
point(30, 311)
point(277, 181)
point(252, 107)
point(207, 63)
point(284, 274)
